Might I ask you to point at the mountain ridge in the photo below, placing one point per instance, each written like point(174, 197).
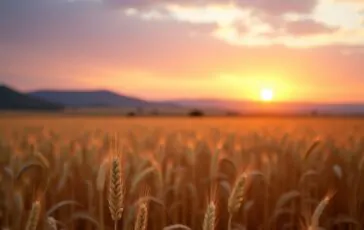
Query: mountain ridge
point(89, 98)
point(97, 98)
point(14, 100)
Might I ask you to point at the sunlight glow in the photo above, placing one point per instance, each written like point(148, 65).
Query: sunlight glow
point(266, 94)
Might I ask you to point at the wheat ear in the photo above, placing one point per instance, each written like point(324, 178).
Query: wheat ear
point(142, 217)
point(116, 191)
point(210, 217)
point(236, 197)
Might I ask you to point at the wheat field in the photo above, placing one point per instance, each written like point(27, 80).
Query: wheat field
point(64, 172)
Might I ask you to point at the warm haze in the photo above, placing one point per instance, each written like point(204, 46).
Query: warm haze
point(300, 50)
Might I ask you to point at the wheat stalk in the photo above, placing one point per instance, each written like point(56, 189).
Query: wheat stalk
point(315, 220)
point(51, 224)
point(101, 176)
point(311, 149)
point(210, 217)
point(337, 171)
point(116, 191)
point(236, 197)
point(285, 198)
point(42, 159)
point(142, 217)
point(100, 186)
point(33, 218)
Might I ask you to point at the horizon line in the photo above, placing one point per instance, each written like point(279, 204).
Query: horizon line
point(177, 99)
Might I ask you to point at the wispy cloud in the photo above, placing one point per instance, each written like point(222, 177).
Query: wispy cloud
point(263, 22)
point(308, 27)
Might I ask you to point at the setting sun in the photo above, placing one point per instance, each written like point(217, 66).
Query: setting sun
point(266, 94)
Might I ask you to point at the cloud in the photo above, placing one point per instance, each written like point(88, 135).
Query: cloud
point(244, 22)
point(278, 7)
point(307, 27)
point(269, 6)
point(350, 1)
point(247, 26)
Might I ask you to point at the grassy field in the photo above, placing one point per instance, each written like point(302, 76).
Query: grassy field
point(64, 172)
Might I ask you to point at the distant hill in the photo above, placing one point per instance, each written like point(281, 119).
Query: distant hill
point(251, 107)
point(99, 98)
point(13, 100)
point(103, 99)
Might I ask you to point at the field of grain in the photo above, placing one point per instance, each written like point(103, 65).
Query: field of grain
point(64, 172)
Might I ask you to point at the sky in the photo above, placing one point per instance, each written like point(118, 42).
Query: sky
point(304, 50)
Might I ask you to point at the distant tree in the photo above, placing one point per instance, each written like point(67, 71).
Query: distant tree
point(196, 113)
point(314, 113)
point(230, 113)
point(155, 112)
point(140, 110)
point(131, 114)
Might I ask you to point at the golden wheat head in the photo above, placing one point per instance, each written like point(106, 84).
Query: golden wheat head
point(142, 217)
point(237, 195)
point(210, 217)
point(116, 190)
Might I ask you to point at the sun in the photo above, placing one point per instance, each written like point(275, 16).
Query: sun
point(266, 94)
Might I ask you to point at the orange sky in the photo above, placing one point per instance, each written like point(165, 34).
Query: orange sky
point(304, 50)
